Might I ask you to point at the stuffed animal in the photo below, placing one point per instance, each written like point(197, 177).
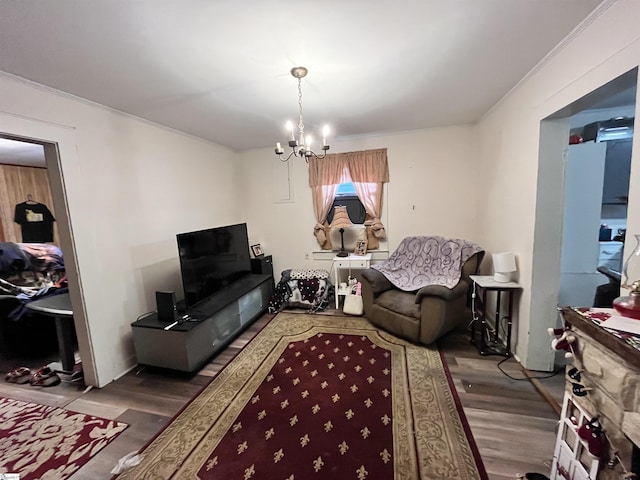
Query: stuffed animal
point(563, 341)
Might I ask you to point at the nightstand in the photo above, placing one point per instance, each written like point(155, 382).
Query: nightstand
point(352, 262)
point(489, 340)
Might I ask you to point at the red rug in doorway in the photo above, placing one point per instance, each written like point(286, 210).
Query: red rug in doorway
point(41, 442)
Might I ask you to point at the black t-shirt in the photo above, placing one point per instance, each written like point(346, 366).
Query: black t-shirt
point(36, 222)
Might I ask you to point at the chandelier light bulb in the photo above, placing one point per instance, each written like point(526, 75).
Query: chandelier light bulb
point(289, 127)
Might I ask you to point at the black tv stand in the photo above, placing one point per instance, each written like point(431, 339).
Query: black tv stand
point(188, 345)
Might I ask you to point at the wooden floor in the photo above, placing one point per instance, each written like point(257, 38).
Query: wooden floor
point(513, 425)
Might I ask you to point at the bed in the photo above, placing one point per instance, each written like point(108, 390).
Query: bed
point(28, 271)
point(26, 268)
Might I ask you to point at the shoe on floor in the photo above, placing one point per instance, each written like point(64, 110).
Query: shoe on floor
point(18, 375)
point(44, 377)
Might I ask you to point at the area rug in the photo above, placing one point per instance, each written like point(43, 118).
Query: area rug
point(314, 396)
point(41, 442)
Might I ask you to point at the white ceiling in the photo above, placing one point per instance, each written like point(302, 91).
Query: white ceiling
point(220, 69)
point(21, 153)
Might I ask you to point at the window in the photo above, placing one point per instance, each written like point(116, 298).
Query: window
point(346, 189)
point(367, 171)
point(347, 196)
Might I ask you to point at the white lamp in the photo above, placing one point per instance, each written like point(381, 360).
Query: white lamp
point(504, 264)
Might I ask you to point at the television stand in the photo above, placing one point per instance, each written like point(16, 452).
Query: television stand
point(188, 345)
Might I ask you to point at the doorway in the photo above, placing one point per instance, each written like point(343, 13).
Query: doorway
point(548, 252)
point(42, 134)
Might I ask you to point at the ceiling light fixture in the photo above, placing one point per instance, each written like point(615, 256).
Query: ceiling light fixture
point(301, 147)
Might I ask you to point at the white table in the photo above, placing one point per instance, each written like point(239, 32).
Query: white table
point(352, 262)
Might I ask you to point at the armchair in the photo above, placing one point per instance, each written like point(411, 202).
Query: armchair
point(421, 292)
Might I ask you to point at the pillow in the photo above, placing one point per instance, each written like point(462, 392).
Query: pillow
point(307, 273)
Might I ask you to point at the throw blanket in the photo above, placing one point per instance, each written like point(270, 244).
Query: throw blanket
point(301, 288)
point(422, 261)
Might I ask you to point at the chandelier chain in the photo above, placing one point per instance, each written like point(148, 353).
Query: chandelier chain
point(300, 124)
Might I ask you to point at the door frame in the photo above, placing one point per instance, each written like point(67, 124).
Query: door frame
point(59, 141)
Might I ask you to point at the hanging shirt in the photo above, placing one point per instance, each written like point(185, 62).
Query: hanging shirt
point(36, 222)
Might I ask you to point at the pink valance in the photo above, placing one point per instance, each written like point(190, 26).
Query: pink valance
point(366, 166)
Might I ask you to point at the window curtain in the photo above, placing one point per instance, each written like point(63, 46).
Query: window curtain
point(367, 169)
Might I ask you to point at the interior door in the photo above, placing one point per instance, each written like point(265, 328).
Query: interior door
point(583, 184)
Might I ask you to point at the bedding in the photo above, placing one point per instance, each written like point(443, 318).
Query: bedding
point(28, 271)
point(309, 289)
point(25, 268)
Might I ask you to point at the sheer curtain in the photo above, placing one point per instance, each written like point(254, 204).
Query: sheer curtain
point(368, 170)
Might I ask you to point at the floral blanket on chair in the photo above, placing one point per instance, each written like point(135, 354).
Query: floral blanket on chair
point(422, 261)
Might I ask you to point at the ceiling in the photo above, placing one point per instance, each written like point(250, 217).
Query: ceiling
point(219, 70)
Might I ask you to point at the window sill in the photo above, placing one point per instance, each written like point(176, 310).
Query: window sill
point(330, 254)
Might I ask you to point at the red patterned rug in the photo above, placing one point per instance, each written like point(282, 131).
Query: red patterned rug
point(40, 442)
point(314, 396)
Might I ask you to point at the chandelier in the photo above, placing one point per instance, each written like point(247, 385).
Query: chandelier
point(301, 147)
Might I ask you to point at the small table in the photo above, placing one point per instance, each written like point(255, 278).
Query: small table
point(351, 262)
point(491, 344)
point(59, 307)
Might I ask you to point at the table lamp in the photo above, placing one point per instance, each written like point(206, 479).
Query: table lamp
point(504, 264)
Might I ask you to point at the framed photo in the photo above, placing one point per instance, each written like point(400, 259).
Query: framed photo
point(361, 247)
point(257, 250)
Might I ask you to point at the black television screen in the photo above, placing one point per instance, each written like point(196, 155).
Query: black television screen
point(212, 259)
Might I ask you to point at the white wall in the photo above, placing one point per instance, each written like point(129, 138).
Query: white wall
point(432, 191)
point(130, 186)
point(601, 50)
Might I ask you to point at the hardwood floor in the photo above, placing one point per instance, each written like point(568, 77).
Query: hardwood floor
point(513, 425)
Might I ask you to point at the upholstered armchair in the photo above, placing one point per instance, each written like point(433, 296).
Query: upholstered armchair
point(421, 292)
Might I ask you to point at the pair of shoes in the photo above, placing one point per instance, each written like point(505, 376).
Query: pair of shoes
point(77, 375)
point(44, 377)
point(18, 375)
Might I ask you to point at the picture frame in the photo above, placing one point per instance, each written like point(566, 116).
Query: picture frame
point(257, 250)
point(361, 247)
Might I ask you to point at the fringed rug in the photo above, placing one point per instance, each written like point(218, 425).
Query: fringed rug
point(48, 443)
point(316, 397)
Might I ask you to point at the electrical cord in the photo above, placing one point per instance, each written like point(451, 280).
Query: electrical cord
point(145, 315)
point(474, 314)
point(555, 372)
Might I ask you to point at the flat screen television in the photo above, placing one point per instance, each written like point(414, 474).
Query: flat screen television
point(211, 260)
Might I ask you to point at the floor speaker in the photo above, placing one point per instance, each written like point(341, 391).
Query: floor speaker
point(166, 306)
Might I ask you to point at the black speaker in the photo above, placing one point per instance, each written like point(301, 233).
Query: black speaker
point(166, 306)
point(262, 265)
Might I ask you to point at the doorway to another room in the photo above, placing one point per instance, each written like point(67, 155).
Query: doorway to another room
point(581, 212)
point(38, 344)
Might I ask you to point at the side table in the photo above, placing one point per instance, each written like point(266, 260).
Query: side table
point(352, 262)
point(490, 342)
